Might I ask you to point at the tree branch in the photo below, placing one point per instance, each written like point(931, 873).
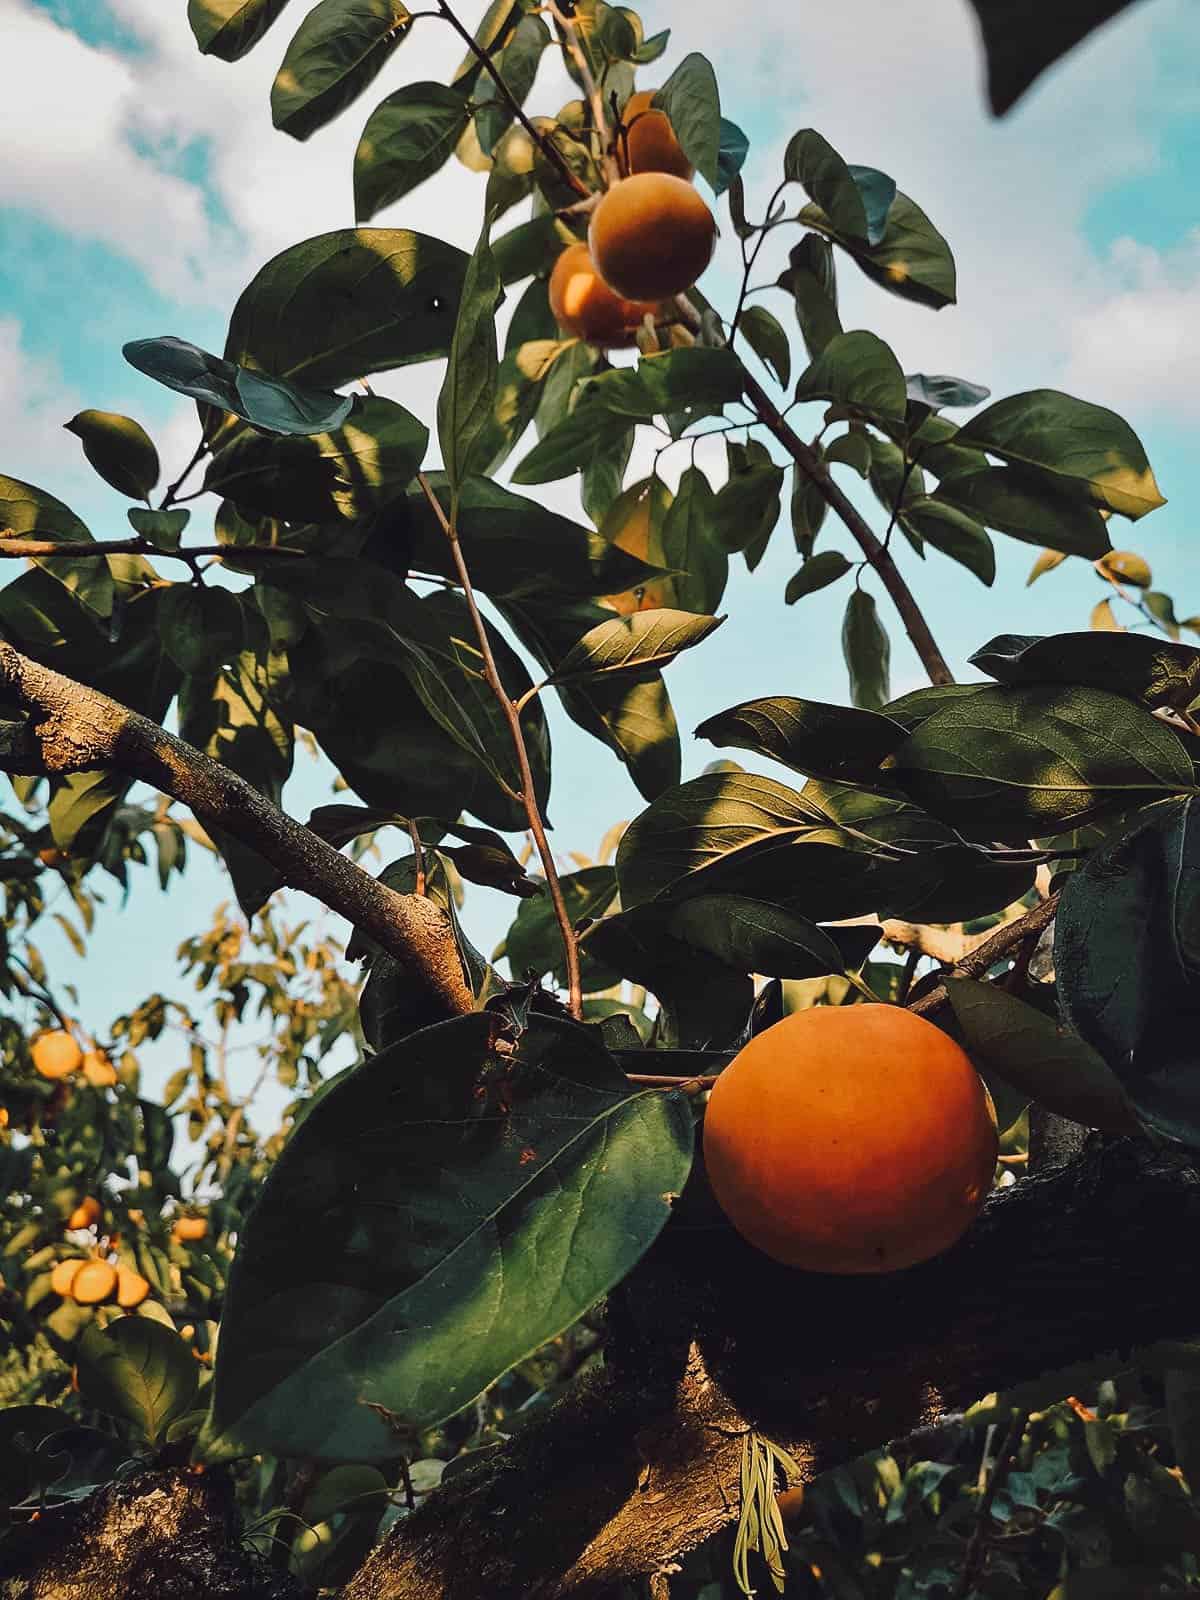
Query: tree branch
point(74, 728)
point(985, 956)
point(512, 715)
point(77, 548)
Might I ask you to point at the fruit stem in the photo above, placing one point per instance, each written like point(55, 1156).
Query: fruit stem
point(547, 146)
point(526, 794)
point(661, 1080)
point(570, 38)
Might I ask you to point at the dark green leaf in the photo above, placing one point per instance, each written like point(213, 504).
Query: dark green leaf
point(812, 161)
point(120, 449)
point(275, 405)
point(812, 282)
point(533, 944)
point(912, 259)
point(732, 151)
point(568, 1183)
point(877, 191)
point(1024, 507)
point(807, 507)
point(339, 48)
point(818, 572)
point(953, 533)
point(851, 449)
point(138, 1371)
point(745, 509)
point(1044, 1062)
point(822, 741)
point(229, 28)
point(1017, 763)
point(604, 471)
point(1088, 449)
point(1127, 964)
point(690, 547)
point(184, 367)
point(408, 137)
point(202, 625)
point(937, 389)
point(866, 651)
point(752, 936)
point(27, 512)
point(1137, 665)
point(518, 64)
point(465, 403)
point(646, 639)
point(765, 336)
point(858, 371)
point(525, 249)
point(81, 808)
point(691, 101)
point(1021, 41)
point(162, 529)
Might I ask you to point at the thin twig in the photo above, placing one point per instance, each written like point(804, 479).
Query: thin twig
point(172, 491)
point(662, 1080)
point(546, 145)
point(78, 548)
point(977, 1549)
point(1011, 937)
point(418, 857)
point(570, 37)
point(40, 995)
point(526, 794)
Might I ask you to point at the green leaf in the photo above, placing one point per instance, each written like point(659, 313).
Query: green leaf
point(230, 28)
point(138, 1371)
point(812, 282)
point(807, 508)
point(1018, 763)
point(953, 533)
point(1136, 665)
point(27, 512)
point(912, 259)
point(856, 370)
point(497, 24)
point(347, 473)
point(866, 651)
point(604, 471)
point(1021, 41)
point(822, 741)
point(339, 48)
point(518, 65)
point(81, 808)
point(464, 408)
point(408, 137)
point(818, 572)
point(691, 100)
point(1024, 507)
point(202, 626)
point(395, 1291)
point(1126, 962)
point(812, 161)
point(937, 389)
point(120, 449)
point(851, 449)
point(1089, 450)
point(752, 936)
point(765, 336)
point(877, 192)
point(533, 944)
point(349, 303)
point(690, 548)
point(646, 639)
point(732, 151)
point(274, 405)
point(1038, 1058)
point(162, 529)
point(746, 507)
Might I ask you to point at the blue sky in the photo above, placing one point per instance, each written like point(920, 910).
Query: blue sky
point(142, 186)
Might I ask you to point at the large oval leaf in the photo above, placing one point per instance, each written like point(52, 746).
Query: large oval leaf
point(139, 1371)
point(859, 371)
point(1141, 666)
point(339, 48)
point(229, 28)
point(911, 260)
point(1127, 959)
point(691, 100)
point(274, 405)
point(438, 1215)
point(1021, 762)
point(644, 641)
point(1029, 507)
point(27, 512)
point(408, 137)
point(823, 741)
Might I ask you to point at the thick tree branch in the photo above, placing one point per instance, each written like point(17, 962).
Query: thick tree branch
point(74, 728)
point(641, 1463)
point(82, 548)
point(982, 957)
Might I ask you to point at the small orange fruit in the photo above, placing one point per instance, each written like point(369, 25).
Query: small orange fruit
point(584, 305)
point(650, 144)
point(850, 1139)
point(85, 1213)
point(132, 1288)
point(189, 1229)
point(95, 1281)
point(651, 236)
point(98, 1069)
point(63, 1277)
point(3, 1116)
point(55, 1054)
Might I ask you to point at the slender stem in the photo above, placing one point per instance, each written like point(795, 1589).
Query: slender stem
point(570, 36)
point(748, 261)
point(1011, 937)
point(546, 145)
point(40, 994)
point(526, 794)
point(418, 857)
point(168, 498)
point(663, 1080)
point(976, 1554)
point(133, 546)
point(814, 468)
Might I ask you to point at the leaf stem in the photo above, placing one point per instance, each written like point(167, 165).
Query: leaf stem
point(526, 794)
point(172, 491)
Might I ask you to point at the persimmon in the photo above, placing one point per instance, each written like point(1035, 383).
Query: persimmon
point(187, 1230)
point(55, 1054)
point(651, 236)
point(585, 306)
point(132, 1288)
point(95, 1281)
point(85, 1213)
point(62, 1279)
point(650, 144)
point(3, 1116)
point(850, 1139)
point(98, 1069)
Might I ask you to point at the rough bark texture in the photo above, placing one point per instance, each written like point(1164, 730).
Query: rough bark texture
point(159, 1534)
point(641, 1463)
point(76, 729)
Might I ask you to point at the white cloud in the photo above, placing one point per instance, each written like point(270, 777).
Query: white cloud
point(34, 404)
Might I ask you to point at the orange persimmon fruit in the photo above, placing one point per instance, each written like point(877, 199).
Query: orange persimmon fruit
point(584, 305)
point(651, 236)
point(649, 143)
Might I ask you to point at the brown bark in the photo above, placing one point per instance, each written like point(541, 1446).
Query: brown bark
point(641, 1463)
point(73, 728)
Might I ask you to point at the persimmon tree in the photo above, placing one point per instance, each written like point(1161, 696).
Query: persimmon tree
point(490, 1240)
